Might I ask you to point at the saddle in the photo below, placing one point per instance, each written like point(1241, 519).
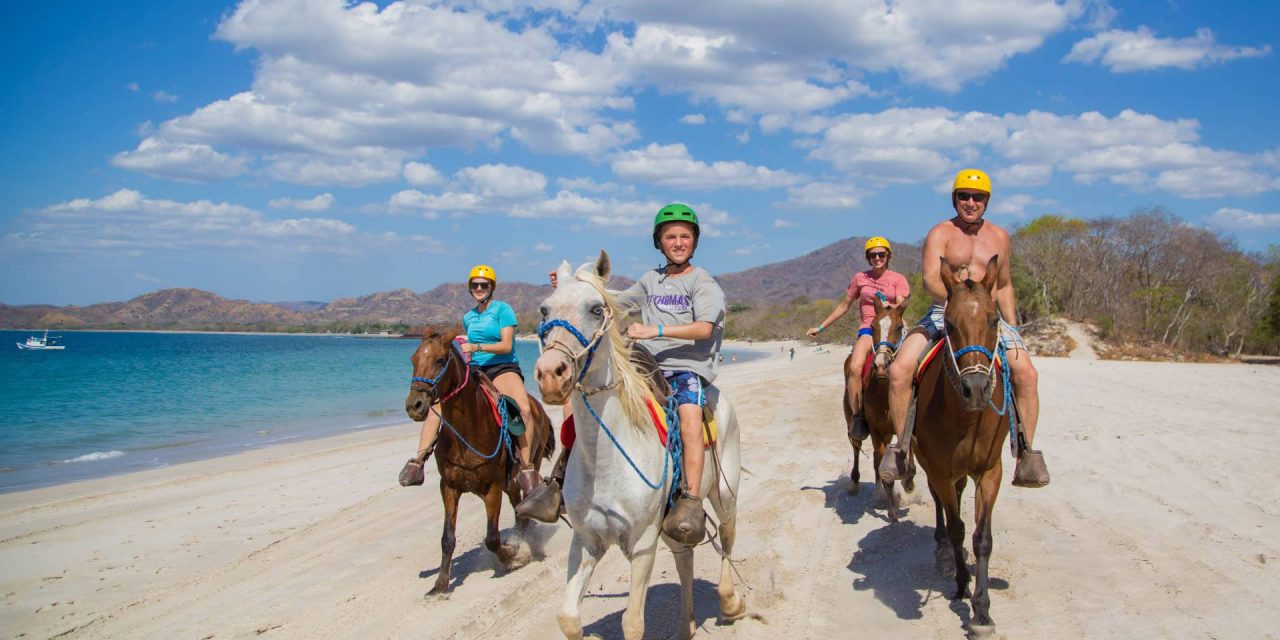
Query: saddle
point(515, 422)
point(644, 361)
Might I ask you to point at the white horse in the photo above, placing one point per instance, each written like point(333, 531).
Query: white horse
point(609, 500)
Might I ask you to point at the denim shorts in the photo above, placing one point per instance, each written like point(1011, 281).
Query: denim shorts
point(686, 386)
point(865, 331)
point(931, 325)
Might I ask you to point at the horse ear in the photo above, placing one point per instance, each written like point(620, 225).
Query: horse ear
point(564, 273)
point(454, 331)
point(879, 306)
point(992, 276)
point(948, 276)
point(602, 265)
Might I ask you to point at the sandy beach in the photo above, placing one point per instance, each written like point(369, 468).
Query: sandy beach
point(1162, 521)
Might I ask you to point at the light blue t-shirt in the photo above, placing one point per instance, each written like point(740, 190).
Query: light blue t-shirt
point(486, 328)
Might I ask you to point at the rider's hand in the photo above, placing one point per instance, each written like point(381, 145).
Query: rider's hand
point(469, 347)
point(554, 278)
point(813, 332)
point(639, 331)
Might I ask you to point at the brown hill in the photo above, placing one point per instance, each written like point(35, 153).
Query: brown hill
point(823, 273)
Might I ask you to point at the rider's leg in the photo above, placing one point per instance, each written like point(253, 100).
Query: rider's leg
point(685, 523)
point(901, 373)
point(412, 474)
point(544, 503)
point(691, 439)
point(512, 385)
point(861, 349)
point(1030, 470)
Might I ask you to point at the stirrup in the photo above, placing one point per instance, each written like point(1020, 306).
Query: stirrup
point(543, 503)
point(686, 523)
point(858, 429)
point(890, 470)
point(1030, 471)
point(412, 474)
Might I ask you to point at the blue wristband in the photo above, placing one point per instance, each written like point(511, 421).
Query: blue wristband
point(659, 331)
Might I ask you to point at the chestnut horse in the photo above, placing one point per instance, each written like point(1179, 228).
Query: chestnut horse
point(474, 453)
point(963, 410)
point(887, 331)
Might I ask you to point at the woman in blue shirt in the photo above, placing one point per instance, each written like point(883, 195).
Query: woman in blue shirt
point(491, 333)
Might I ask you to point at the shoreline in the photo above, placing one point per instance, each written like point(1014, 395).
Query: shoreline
point(82, 464)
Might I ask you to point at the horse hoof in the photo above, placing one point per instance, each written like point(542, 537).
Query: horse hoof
point(437, 594)
point(854, 486)
point(945, 564)
point(514, 556)
point(909, 485)
point(739, 613)
point(982, 631)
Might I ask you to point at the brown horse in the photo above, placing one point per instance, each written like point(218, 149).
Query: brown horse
point(471, 453)
point(887, 331)
point(962, 420)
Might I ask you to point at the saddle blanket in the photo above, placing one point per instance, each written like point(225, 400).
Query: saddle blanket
point(658, 414)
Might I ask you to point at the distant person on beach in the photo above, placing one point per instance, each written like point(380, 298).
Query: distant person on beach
point(862, 290)
point(792, 351)
point(682, 314)
point(733, 359)
point(968, 242)
point(490, 341)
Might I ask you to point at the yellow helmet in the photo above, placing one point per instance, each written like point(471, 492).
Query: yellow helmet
point(878, 241)
point(483, 271)
point(972, 179)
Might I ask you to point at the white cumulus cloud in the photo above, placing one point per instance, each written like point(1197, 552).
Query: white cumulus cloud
point(1243, 220)
point(1127, 51)
point(184, 161)
point(673, 166)
point(322, 202)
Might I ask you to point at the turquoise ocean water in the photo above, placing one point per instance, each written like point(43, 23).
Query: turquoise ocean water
point(119, 402)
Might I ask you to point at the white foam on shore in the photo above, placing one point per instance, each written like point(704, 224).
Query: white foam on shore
point(96, 455)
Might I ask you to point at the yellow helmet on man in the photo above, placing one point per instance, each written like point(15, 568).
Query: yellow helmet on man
point(483, 271)
point(972, 179)
point(878, 241)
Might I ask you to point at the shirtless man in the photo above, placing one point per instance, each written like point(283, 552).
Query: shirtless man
point(967, 242)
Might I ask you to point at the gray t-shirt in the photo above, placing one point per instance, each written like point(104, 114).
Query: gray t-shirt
point(676, 300)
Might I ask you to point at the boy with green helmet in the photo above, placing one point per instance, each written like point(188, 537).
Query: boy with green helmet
point(682, 312)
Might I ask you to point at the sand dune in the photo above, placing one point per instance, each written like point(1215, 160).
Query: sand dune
point(1163, 520)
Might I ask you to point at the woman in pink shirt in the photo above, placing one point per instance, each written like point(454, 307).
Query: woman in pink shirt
point(863, 288)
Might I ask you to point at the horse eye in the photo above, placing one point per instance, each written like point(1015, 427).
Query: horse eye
point(440, 361)
point(543, 311)
point(597, 310)
point(951, 328)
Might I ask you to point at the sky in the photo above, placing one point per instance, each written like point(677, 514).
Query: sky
point(285, 150)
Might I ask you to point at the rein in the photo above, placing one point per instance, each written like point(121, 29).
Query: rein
point(954, 373)
point(672, 450)
point(504, 434)
point(588, 346)
point(466, 375)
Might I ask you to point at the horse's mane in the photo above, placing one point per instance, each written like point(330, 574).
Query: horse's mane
point(633, 389)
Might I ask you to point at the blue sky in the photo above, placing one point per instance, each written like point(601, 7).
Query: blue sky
point(309, 149)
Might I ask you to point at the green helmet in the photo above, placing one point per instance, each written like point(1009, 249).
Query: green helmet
point(674, 212)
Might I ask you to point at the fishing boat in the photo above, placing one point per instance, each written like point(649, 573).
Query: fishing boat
point(39, 343)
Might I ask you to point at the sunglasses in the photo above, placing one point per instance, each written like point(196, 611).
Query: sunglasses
point(976, 197)
point(480, 286)
point(877, 255)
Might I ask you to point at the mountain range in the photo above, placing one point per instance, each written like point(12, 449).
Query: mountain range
point(822, 273)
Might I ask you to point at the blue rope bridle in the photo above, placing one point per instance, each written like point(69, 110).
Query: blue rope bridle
point(1007, 390)
point(504, 433)
point(673, 451)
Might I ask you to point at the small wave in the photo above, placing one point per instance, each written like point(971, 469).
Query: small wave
point(96, 455)
point(269, 441)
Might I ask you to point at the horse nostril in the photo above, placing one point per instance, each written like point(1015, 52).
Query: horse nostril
point(561, 369)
